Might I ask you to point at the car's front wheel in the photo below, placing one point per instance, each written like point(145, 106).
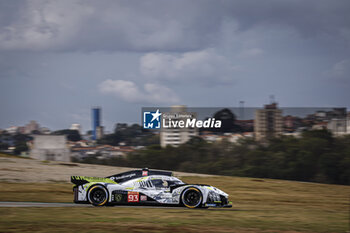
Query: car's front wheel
point(98, 195)
point(191, 197)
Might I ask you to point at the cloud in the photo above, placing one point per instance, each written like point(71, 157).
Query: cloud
point(130, 92)
point(155, 25)
point(341, 70)
point(253, 52)
point(205, 66)
point(310, 19)
point(44, 25)
point(74, 25)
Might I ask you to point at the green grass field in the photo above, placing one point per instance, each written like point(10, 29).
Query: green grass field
point(260, 205)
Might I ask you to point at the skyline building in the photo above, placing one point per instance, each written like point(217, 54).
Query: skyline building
point(31, 126)
point(175, 136)
point(268, 122)
point(50, 148)
point(76, 127)
point(96, 123)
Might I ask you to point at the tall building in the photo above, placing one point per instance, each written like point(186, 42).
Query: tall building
point(99, 132)
point(268, 122)
point(175, 136)
point(96, 123)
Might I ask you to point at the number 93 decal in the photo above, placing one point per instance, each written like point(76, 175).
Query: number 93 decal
point(133, 197)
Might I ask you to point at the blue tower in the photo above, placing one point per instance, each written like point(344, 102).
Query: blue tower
point(96, 122)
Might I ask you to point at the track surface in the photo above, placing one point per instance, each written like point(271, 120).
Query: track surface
point(49, 204)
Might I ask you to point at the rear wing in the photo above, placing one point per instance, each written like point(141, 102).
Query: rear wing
point(80, 180)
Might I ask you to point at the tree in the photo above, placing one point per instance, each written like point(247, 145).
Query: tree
point(3, 146)
point(317, 157)
point(20, 147)
point(130, 135)
point(72, 135)
point(228, 120)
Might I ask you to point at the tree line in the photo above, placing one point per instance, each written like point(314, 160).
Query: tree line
point(316, 156)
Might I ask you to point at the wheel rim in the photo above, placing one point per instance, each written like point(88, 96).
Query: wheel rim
point(192, 198)
point(98, 196)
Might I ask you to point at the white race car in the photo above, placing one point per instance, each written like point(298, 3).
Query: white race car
point(146, 187)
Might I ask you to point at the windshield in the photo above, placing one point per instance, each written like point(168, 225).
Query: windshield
point(164, 183)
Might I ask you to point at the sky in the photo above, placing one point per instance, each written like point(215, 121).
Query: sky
point(58, 59)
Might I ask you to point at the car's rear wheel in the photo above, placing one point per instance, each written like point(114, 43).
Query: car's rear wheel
point(191, 197)
point(98, 195)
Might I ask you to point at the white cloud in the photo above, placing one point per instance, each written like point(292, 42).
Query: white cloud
point(342, 69)
point(252, 52)
point(339, 72)
point(205, 66)
point(130, 92)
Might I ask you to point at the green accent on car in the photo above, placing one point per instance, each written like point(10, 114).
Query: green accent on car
point(87, 185)
point(94, 179)
point(141, 179)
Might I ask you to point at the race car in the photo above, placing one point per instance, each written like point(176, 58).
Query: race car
point(146, 187)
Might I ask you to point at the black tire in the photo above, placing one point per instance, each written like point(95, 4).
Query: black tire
point(98, 195)
point(191, 197)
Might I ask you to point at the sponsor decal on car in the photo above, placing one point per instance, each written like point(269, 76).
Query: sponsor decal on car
point(123, 177)
point(118, 197)
point(143, 198)
point(133, 197)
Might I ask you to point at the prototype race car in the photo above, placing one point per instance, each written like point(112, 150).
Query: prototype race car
point(146, 187)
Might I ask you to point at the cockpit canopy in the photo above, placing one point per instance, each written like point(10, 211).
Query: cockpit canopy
point(165, 183)
point(153, 182)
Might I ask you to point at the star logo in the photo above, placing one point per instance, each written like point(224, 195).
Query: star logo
point(156, 115)
point(151, 120)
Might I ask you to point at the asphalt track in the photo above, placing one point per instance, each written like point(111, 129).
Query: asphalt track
point(52, 204)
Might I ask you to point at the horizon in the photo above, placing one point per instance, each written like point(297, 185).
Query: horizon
point(203, 113)
point(55, 64)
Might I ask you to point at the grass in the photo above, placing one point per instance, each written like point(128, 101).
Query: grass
point(260, 205)
point(4, 155)
point(43, 192)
